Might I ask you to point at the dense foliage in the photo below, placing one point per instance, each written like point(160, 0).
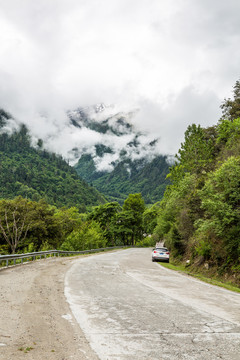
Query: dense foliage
point(199, 216)
point(37, 174)
point(121, 226)
point(27, 225)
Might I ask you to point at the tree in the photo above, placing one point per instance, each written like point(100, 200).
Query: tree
point(231, 108)
point(220, 199)
point(196, 153)
point(44, 227)
point(88, 236)
point(28, 224)
point(15, 221)
point(176, 214)
point(67, 220)
point(105, 216)
point(122, 228)
point(134, 207)
point(150, 218)
point(228, 132)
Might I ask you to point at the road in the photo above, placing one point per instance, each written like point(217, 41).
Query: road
point(131, 308)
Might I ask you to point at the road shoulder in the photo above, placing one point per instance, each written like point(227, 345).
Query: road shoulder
point(35, 317)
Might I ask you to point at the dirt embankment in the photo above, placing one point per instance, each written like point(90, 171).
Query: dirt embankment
point(35, 320)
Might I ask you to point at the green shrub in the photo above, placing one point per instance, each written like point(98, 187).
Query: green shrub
point(204, 249)
point(146, 242)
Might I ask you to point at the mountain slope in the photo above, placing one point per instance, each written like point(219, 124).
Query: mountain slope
point(148, 178)
point(129, 163)
point(35, 173)
point(107, 150)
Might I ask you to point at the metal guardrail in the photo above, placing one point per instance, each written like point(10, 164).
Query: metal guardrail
point(40, 254)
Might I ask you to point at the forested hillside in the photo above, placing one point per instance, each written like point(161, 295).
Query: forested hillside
point(199, 216)
point(37, 174)
point(146, 177)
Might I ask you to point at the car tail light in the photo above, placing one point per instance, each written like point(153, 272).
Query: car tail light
point(168, 253)
point(155, 252)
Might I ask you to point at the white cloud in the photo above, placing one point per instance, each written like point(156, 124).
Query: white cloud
point(175, 61)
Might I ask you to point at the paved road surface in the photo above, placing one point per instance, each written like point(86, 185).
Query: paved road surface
point(131, 308)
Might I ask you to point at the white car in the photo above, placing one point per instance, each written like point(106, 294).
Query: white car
point(160, 254)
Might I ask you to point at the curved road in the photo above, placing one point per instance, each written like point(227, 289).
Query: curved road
point(131, 308)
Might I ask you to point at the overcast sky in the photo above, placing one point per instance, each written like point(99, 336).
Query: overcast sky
point(174, 60)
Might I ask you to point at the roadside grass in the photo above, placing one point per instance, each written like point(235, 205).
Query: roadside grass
point(212, 280)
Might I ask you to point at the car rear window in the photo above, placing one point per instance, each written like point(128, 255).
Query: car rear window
point(162, 249)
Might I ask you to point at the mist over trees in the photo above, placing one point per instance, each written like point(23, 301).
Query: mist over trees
point(34, 173)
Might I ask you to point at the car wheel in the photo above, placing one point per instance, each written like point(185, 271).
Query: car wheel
point(153, 260)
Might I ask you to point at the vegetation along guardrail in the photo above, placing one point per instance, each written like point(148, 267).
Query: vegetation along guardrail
point(38, 255)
